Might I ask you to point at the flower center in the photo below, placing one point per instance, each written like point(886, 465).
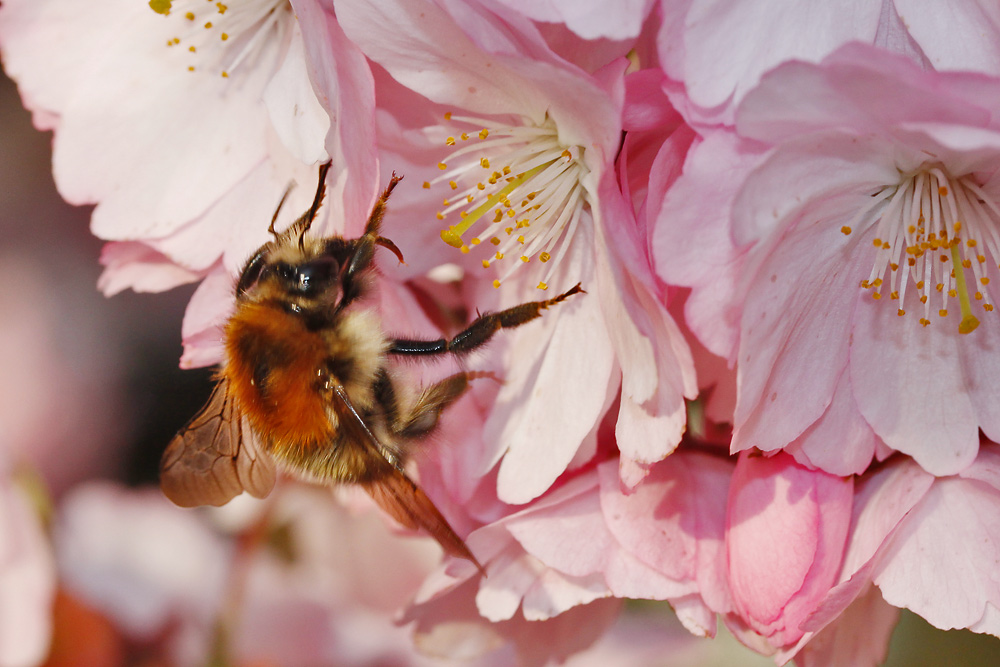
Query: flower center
point(222, 36)
point(520, 185)
point(939, 234)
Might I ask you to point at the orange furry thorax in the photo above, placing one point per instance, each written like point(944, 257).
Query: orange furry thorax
point(275, 366)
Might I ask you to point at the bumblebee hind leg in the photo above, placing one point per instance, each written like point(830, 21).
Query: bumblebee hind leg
point(422, 417)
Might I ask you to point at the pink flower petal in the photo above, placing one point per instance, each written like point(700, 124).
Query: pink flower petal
point(572, 538)
point(519, 425)
point(691, 239)
point(840, 442)
point(934, 422)
point(719, 60)
point(962, 36)
point(344, 85)
point(954, 529)
point(448, 626)
point(859, 636)
point(784, 332)
point(136, 266)
point(296, 115)
point(787, 528)
point(674, 521)
point(206, 313)
point(591, 19)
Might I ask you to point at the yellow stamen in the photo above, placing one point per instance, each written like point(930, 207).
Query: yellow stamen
point(453, 235)
point(969, 321)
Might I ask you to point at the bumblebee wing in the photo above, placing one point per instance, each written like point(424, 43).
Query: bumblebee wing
point(390, 487)
point(215, 457)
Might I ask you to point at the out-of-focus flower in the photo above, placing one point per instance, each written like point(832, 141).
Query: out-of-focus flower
point(27, 576)
point(55, 381)
point(826, 190)
point(280, 586)
point(530, 178)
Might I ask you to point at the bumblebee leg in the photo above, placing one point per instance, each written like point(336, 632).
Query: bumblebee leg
point(364, 248)
point(424, 415)
point(481, 329)
point(385, 397)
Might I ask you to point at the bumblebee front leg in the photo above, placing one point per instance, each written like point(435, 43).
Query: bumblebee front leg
point(481, 329)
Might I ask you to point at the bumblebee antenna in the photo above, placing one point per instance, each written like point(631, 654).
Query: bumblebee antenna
point(274, 218)
point(310, 215)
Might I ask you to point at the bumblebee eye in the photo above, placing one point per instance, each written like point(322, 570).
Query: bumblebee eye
point(309, 277)
point(251, 273)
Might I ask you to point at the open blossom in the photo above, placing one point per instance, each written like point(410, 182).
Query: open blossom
point(197, 175)
point(855, 259)
point(226, 106)
point(525, 187)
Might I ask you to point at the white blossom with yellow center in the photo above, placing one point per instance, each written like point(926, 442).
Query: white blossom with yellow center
point(519, 186)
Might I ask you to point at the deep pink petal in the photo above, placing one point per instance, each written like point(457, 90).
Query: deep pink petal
point(882, 500)
point(786, 532)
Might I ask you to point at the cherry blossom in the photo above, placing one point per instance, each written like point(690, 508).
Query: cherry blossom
point(543, 135)
point(773, 406)
point(834, 334)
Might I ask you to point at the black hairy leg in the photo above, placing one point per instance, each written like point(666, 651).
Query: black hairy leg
point(481, 329)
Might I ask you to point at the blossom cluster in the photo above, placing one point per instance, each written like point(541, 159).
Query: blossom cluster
point(773, 407)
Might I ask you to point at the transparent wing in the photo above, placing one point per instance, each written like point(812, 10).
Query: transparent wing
point(389, 486)
point(215, 457)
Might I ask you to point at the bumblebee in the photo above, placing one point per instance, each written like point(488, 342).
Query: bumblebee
point(305, 383)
